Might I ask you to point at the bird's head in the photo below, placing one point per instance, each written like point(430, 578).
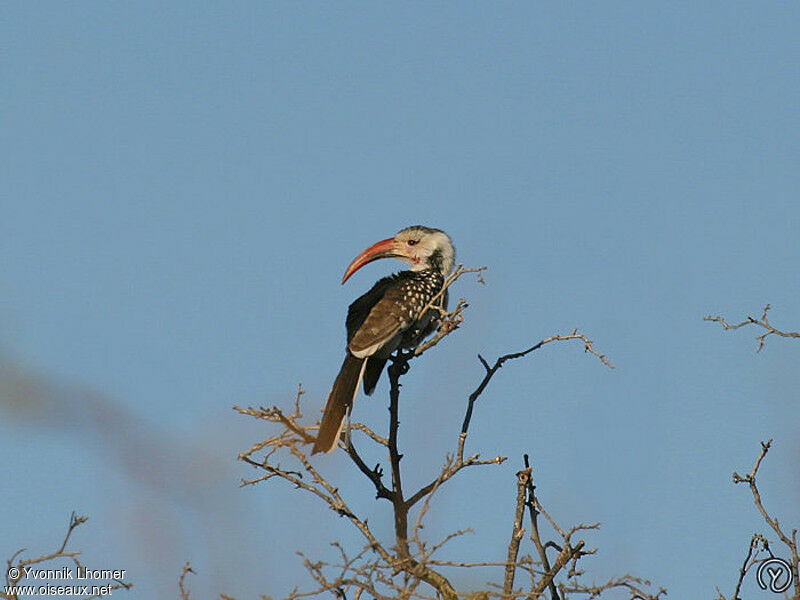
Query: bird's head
point(421, 247)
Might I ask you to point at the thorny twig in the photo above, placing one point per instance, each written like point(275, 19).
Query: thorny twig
point(763, 322)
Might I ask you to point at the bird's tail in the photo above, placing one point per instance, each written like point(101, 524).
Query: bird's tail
point(339, 403)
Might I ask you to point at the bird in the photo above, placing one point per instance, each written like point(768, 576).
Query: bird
point(387, 317)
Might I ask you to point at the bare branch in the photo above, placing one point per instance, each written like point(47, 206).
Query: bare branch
point(567, 554)
point(293, 430)
point(531, 503)
point(374, 475)
point(491, 370)
point(634, 585)
point(523, 479)
point(763, 322)
point(184, 591)
point(749, 560)
point(384, 570)
point(371, 434)
point(398, 367)
point(15, 572)
point(750, 479)
point(473, 460)
point(791, 543)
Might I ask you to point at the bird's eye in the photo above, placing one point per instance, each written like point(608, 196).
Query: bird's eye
point(412, 242)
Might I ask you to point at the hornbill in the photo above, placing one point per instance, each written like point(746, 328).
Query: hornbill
point(387, 317)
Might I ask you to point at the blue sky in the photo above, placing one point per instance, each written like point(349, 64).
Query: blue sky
point(183, 185)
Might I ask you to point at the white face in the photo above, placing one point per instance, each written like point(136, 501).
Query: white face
point(417, 246)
